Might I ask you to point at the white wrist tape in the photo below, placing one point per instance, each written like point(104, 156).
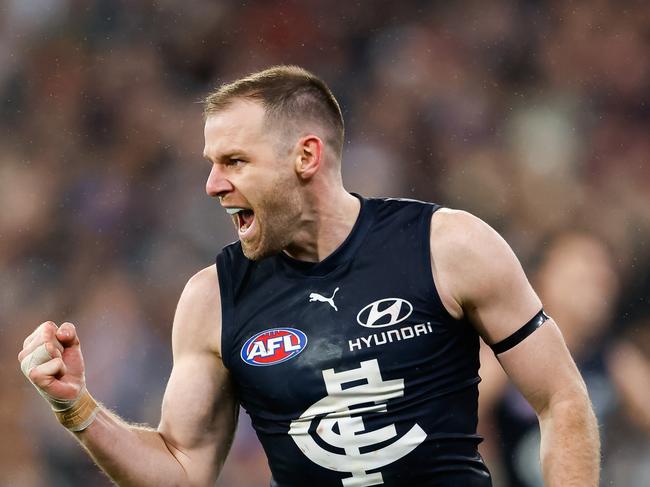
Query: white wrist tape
point(39, 356)
point(75, 414)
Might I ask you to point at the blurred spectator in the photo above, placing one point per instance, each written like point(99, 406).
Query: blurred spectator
point(628, 447)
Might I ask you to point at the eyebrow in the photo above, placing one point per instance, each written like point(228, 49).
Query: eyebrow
point(227, 155)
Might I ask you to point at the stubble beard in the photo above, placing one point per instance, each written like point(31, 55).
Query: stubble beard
point(277, 215)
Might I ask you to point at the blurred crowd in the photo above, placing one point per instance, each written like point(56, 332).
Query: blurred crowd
point(534, 115)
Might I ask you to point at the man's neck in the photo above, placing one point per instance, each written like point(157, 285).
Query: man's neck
point(325, 224)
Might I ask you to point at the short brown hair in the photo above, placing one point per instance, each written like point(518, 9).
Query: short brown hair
point(289, 95)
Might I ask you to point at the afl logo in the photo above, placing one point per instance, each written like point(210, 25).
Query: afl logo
point(385, 312)
point(274, 346)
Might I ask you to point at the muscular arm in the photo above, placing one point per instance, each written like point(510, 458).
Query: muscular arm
point(199, 409)
point(479, 277)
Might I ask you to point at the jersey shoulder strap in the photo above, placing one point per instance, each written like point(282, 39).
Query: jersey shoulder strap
point(232, 269)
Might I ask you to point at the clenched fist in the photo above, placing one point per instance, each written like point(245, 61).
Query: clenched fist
point(51, 359)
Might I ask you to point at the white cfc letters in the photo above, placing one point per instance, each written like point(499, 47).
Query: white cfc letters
point(340, 424)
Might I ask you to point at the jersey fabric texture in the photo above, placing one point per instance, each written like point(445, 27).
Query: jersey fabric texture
point(352, 371)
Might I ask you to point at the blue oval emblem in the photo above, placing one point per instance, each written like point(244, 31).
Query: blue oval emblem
point(274, 346)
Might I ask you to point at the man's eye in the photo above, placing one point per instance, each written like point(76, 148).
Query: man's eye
point(234, 161)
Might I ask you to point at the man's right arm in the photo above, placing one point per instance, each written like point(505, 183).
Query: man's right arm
point(199, 410)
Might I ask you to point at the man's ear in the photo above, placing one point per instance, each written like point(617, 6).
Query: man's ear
point(309, 157)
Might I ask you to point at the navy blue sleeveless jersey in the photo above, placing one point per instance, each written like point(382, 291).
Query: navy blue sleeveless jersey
point(351, 369)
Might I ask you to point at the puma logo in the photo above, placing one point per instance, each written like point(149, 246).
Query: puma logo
point(317, 297)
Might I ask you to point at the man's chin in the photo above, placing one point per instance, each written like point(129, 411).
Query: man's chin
point(257, 252)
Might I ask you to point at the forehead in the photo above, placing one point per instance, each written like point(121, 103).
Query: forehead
point(238, 125)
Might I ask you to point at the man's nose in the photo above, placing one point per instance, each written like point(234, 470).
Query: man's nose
point(217, 185)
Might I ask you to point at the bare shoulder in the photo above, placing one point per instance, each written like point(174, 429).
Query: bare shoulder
point(478, 275)
point(197, 322)
point(460, 230)
point(462, 245)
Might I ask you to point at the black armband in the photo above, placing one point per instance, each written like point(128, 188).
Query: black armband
point(523, 332)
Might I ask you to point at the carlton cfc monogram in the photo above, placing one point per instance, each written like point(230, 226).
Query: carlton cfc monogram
point(350, 394)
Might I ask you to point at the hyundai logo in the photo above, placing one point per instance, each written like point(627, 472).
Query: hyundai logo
point(385, 312)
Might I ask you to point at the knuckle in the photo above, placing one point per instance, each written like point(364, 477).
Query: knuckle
point(22, 354)
point(27, 349)
point(54, 349)
point(31, 337)
point(33, 375)
point(49, 328)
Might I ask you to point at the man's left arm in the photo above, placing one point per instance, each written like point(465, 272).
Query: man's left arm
point(478, 276)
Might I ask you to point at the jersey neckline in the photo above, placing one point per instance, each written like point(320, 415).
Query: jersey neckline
point(343, 253)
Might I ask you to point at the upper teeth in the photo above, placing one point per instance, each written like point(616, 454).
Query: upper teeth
point(232, 211)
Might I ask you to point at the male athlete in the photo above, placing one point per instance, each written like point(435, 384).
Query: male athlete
point(347, 327)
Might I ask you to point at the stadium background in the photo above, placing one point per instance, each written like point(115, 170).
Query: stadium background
point(532, 114)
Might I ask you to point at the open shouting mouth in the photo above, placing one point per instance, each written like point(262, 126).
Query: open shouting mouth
point(244, 220)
